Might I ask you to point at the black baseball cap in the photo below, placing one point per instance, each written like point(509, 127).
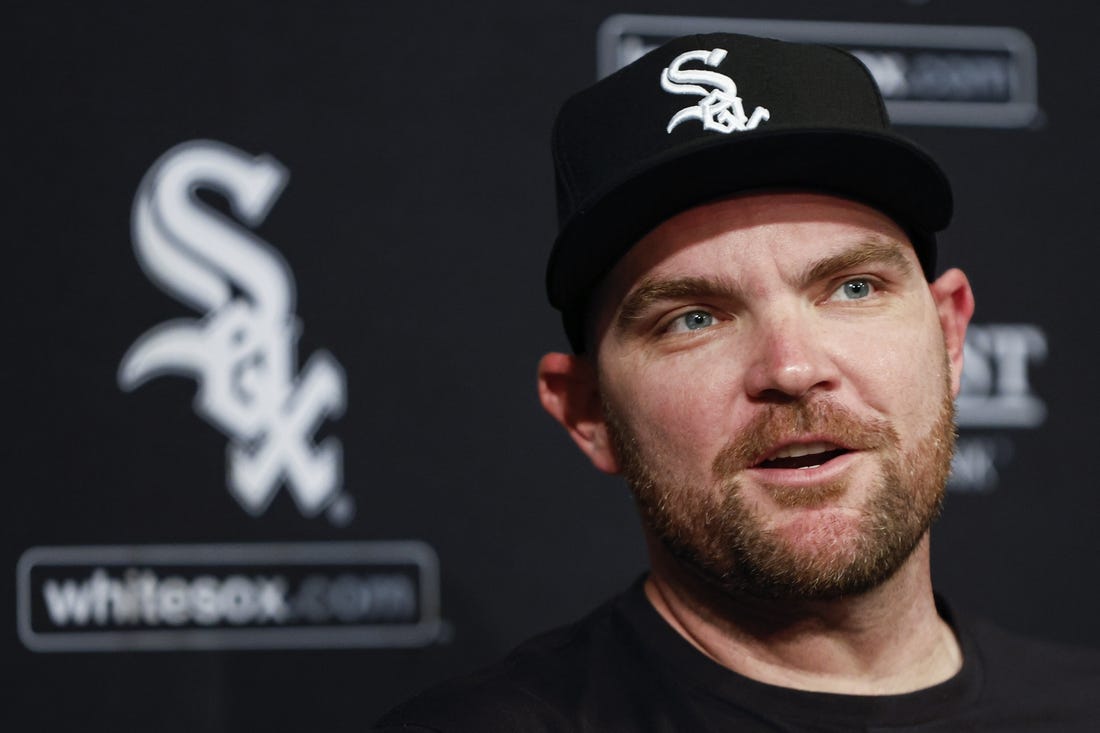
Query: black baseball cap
point(708, 116)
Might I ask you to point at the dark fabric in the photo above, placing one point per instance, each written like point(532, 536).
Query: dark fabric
point(623, 668)
point(623, 165)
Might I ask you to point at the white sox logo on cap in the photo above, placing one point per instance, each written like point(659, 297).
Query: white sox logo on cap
point(720, 109)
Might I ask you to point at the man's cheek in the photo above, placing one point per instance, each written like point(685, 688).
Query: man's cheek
point(686, 408)
point(899, 389)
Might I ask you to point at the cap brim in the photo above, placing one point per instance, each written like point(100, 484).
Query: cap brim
point(884, 171)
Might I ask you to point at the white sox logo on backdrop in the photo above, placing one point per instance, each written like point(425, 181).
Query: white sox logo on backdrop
point(720, 109)
point(243, 350)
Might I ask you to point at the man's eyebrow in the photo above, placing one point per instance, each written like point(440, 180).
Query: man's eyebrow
point(870, 251)
point(656, 291)
point(651, 291)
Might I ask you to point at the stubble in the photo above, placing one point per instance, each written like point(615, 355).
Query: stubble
point(716, 532)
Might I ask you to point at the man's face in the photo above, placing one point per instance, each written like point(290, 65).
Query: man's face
point(777, 391)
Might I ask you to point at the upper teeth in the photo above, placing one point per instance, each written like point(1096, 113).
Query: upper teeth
point(803, 449)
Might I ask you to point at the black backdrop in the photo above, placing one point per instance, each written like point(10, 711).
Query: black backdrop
point(415, 222)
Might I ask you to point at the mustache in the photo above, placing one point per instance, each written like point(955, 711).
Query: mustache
point(822, 419)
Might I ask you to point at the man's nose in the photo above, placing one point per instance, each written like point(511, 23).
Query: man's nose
point(789, 360)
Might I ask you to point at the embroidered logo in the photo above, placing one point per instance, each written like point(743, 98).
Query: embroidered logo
point(243, 351)
point(720, 109)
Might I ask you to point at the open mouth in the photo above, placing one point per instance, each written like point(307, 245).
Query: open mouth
point(804, 455)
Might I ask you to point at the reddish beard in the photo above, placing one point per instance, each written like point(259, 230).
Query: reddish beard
point(718, 535)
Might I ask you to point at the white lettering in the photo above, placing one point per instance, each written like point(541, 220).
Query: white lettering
point(959, 76)
point(68, 602)
point(172, 607)
point(243, 352)
point(237, 600)
point(995, 390)
point(271, 599)
point(204, 600)
point(141, 596)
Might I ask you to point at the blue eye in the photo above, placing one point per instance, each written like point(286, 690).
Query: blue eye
point(691, 321)
point(856, 289)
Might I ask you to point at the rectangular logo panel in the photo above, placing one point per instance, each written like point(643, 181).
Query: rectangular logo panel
point(231, 596)
point(971, 76)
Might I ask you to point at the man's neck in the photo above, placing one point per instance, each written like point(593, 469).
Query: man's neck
point(890, 640)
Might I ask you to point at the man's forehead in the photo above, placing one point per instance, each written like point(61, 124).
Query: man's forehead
point(717, 238)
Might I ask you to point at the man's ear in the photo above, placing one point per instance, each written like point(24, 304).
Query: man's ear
point(954, 304)
point(569, 391)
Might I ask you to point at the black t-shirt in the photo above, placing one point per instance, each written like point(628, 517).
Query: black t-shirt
point(623, 668)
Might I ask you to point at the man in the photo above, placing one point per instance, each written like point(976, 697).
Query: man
point(745, 270)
